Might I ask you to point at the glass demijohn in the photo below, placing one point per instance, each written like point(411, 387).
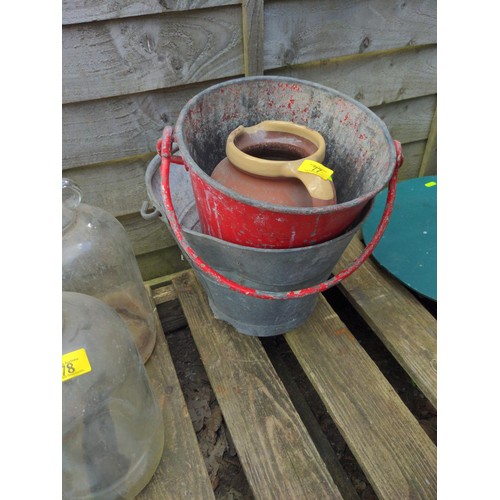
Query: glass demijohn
point(112, 427)
point(98, 260)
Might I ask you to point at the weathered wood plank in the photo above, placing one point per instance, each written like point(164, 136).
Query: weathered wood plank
point(161, 281)
point(253, 36)
point(161, 262)
point(169, 308)
point(146, 235)
point(429, 159)
point(182, 472)
point(121, 57)
point(84, 11)
point(296, 32)
point(132, 125)
point(413, 153)
point(409, 120)
point(375, 79)
point(275, 450)
point(163, 294)
point(118, 187)
point(321, 442)
point(397, 456)
point(126, 126)
point(405, 327)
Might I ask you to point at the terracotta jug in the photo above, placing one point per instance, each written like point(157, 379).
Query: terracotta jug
point(277, 162)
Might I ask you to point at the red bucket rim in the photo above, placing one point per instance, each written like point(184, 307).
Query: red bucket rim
point(197, 170)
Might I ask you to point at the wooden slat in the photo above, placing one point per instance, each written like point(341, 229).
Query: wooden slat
point(321, 442)
point(395, 453)
point(181, 472)
point(117, 187)
point(146, 235)
point(253, 36)
point(406, 328)
point(121, 57)
point(409, 120)
point(297, 32)
point(375, 79)
point(120, 133)
point(413, 153)
point(429, 160)
point(275, 450)
point(161, 262)
point(120, 127)
point(84, 11)
point(164, 294)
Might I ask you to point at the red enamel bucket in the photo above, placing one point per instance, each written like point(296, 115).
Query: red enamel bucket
point(359, 149)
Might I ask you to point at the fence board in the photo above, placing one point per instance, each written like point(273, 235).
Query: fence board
point(146, 235)
point(131, 125)
point(117, 187)
point(122, 57)
point(296, 32)
point(377, 79)
point(413, 153)
point(253, 36)
point(409, 120)
point(429, 160)
point(84, 11)
point(126, 126)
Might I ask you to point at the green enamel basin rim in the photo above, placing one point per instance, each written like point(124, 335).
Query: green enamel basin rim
point(408, 248)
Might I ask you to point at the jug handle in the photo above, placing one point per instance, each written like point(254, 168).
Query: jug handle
point(164, 147)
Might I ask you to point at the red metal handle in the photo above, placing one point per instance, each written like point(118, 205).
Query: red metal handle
point(164, 147)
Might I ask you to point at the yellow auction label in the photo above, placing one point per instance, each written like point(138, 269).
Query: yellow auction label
point(74, 364)
point(313, 167)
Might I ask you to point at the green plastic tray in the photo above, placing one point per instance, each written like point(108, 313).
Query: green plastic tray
point(409, 245)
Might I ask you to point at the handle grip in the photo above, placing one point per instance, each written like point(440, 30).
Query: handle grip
point(164, 147)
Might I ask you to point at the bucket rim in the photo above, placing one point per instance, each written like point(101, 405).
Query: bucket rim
point(152, 169)
point(193, 165)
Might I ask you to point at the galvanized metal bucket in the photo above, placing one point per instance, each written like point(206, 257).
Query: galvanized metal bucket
point(268, 291)
point(359, 149)
point(276, 270)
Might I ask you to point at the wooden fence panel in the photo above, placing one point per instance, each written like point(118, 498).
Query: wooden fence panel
point(103, 130)
point(296, 32)
point(409, 120)
point(119, 127)
point(377, 79)
point(84, 11)
point(129, 68)
point(413, 153)
point(146, 235)
point(116, 187)
point(151, 52)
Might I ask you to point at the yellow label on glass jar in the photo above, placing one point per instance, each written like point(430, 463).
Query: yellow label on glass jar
point(316, 168)
point(74, 364)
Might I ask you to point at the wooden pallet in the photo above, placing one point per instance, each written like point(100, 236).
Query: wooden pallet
point(282, 457)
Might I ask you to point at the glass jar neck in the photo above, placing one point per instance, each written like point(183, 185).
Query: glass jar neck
point(71, 197)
